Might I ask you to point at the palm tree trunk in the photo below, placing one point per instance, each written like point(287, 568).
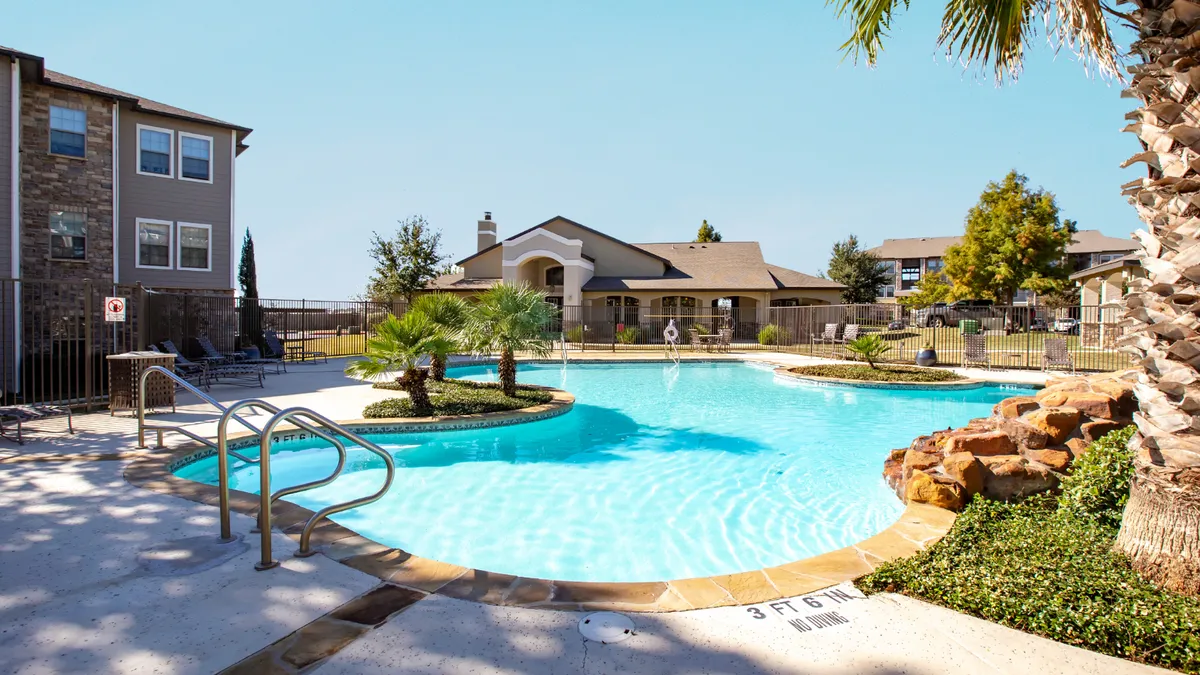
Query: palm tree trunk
point(413, 382)
point(508, 372)
point(1160, 531)
point(437, 367)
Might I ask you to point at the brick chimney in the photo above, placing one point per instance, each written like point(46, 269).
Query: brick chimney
point(487, 231)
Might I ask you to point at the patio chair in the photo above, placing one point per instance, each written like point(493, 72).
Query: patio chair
point(975, 351)
point(215, 370)
point(850, 334)
point(20, 414)
point(724, 337)
point(194, 372)
point(829, 336)
point(1055, 355)
point(301, 354)
point(694, 339)
point(210, 352)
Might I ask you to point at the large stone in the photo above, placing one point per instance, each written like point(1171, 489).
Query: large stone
point(1088, 403)
point(1076, 446)
point(1058, 423)
point(917, 460)
point(1120, 391)
point(1009, 477)
point(893, 472)
point(1057, 460)
point(922, 488)
point(1024, 434)
point(1093, 431)
point(1015, 406)
point(1066, 386)
point(965, 469)
point(982, 443)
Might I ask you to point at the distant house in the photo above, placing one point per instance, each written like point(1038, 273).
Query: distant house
point(579, 266)
point(909, 260)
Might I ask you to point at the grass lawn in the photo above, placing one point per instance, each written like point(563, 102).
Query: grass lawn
point(458, 397)
point(336, 345)
point(1046, 566)
point(881, 373)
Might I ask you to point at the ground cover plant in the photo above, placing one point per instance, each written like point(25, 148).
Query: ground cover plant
point(457, 397)
point(846, 371)
point(1047, 566)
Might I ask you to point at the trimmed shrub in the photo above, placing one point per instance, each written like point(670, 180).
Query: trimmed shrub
point(575, 334)
point(1098, 485)
point(772, 334)
point(878, 374)
point(628, 335)
point(458, 397)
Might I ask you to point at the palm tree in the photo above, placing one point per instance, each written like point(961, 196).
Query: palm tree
point(509, 318)
point(399, 345)
point(448, 312)
point(1160, 531)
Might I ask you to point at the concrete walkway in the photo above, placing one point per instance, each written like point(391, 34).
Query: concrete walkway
point(99, 576)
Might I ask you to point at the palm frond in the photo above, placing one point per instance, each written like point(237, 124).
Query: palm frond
point(508, 316)
point(870, 21)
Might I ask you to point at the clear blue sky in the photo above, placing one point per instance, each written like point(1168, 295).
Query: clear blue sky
point(639, 119)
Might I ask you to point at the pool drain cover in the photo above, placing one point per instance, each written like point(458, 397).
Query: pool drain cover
point(606, 627)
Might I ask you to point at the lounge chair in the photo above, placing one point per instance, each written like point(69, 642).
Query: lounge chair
point(1055, 355)
point(975, 351)
point(20, 414)
point(276, 346)
point(215, 370)
point(189, 370)
point(829, 336)
point(211, 353)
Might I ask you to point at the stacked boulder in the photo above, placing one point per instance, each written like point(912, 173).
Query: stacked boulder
point(1024, 448)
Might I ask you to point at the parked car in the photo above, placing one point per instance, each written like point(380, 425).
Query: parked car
point(1039, 325)
point(942, 314)
point(1066, 326)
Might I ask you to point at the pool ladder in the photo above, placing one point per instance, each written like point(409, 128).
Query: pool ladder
point(323, 428)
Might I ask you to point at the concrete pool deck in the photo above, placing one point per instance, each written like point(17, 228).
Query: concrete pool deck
point(88, 586)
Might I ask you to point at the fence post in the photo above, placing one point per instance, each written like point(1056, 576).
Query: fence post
point(87, 344)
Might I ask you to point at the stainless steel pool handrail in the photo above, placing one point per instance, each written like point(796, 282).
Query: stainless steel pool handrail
point(562, 341)
point(266, 499)
point(179, 429)
point(223, 453)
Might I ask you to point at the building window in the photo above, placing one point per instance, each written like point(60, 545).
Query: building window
point(554, 276)
point(910, 273)
point(1109, 257)
point(934, 265)
point(889, 268)
point(68, 235)
point(154, 243)
point(786, 302)
point(678, 302)
point(154, 151)
point(68, 131)
point(195, 157)
point(195, 247)
point(888, 292)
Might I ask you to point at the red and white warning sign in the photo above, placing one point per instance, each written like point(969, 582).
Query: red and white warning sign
point(114, 309)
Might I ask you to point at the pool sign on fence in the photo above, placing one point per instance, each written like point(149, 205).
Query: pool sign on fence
point(114, 309)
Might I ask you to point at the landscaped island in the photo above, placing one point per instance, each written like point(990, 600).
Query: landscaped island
point(877, 373)
point(458, 397)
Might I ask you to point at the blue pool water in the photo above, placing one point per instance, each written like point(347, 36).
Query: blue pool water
point(659, 472)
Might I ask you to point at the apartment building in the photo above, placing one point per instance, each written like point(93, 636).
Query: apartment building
point(103, 185)
point(911, 259)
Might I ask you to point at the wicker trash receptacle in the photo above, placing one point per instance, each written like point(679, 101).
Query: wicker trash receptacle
point(124, 374)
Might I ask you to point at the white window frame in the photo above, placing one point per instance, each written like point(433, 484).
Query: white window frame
point(171, 154)
point(179, 246)
point(211, 156)
point(137, 242)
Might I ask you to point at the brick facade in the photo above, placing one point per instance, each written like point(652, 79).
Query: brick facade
point(54, 182)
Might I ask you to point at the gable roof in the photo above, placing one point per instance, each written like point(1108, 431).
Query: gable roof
point(1085, 241)
point(786, 278)
point(64, 81)
point(716, 266)
point(571, 222)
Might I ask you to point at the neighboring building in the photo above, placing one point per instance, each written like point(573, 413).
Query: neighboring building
point(99, 184)
point(910, 260)
point(578, 266)
point(1101, 289)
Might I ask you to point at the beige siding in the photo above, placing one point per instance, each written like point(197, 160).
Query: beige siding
point(487, 266)
point(5, 168)
point(612, 259)
point(175, 200)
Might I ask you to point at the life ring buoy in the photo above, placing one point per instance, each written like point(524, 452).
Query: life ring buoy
point(671, 333)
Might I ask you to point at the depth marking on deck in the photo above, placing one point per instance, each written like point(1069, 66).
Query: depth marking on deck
point(790, 609)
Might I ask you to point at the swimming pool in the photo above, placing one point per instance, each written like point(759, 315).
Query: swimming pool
point(659, 472)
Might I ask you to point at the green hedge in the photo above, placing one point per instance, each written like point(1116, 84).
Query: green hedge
point(1047, 566)
point(773, 334)
point(458, 397)
point(878, 374)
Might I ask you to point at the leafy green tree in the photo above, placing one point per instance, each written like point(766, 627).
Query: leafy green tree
point(449, 313)
point(509, 318)
point(1014, 239)
point(861, 272)
point(250, 315)
point(931, 289)
point(399, 345)
point(406, 262)
point(707, 233)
